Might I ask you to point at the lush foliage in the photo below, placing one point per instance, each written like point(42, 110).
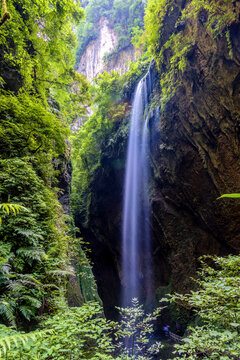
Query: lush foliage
point(73, 333)
point(111, 94)
point(217, 308)
point(84, 272)
point(124, 15)
point(38, 47)
point(10, 208)
point(34, 246)
point(170, 47)
point(84, 333)
point(134, 332)
point(221, 14)
point(40, 93)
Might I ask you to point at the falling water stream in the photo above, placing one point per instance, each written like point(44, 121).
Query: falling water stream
point(136, 243)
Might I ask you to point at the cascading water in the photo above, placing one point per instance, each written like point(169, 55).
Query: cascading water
point(136, 244)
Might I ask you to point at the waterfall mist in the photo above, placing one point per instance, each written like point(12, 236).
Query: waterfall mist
point(136, 241)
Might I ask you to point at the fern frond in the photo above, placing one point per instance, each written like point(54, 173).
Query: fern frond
point(28, 233)
point(28, 279)
point(26, 311)
point(32, 300)
point(14, 208)
point(5, 266)
point(31, 253)
point(53, 286)
point(16, 286)
point(7, 311)
point(60, 272)
point(7, 342)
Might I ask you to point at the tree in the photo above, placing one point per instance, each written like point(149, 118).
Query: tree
point(134, 332)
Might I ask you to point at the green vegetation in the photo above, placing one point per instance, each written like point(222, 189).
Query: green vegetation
point(35, 246)
point(111, 98)
point(216, 304)
point(84, 272)
point(221, 14)
point(232, 196)
point(84, 333)
point(10, 208)
point(73, 333)
point(170, 47)
point(40, 93)
point(134, 332)
point(125, 16)
point(38, 44)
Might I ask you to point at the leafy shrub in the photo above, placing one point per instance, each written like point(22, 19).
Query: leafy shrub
point(83, 333)
point(134, 332)
point(75, 333)
point(216, 305)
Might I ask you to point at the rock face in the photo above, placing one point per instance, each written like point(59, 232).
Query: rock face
point(92, 60)
point(195, 157)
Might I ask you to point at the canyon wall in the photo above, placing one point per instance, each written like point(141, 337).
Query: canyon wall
point(194, 158)
point(92, 62)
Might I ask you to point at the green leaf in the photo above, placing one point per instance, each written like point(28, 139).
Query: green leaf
point(233, 196)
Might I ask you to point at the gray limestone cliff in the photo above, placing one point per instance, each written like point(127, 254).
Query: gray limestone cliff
point(92, 61)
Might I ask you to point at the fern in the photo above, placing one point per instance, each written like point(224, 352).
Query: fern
point(232, 196)
point(61, 272)
point(6, 310)
point(26, 311)
point(18, 340)
point(15, 286)
point(32, 301)
point(11, 208)
point(28, 279)
point(31, 253)
point(30, 234)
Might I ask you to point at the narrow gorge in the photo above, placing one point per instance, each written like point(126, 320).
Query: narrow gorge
point(120, 179)
point(194, 159)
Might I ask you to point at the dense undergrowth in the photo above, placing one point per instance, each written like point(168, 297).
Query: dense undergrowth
point(83, 333)
point(36, 104)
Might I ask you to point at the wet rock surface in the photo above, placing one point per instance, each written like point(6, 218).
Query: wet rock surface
point(196, 157)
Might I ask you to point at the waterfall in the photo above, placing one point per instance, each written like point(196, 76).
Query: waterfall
point(136, 246)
